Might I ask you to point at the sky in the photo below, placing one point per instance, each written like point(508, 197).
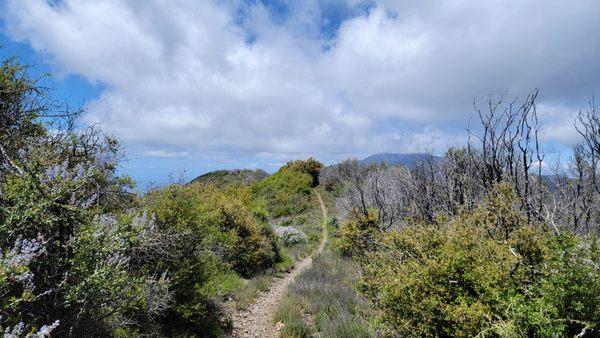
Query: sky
point(194, 86)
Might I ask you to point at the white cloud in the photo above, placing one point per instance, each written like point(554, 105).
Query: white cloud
point(558, 123)
point(198, 77)
point(165, 154)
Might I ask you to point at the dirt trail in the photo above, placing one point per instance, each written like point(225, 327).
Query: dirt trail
point(257, 319)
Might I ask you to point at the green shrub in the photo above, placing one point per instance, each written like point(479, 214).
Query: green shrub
point(309, 166)
point(487, 273)
point(287, 192)
point(295, 329)
point(260, 213)
point(218, 220)
point(286, 222)
point(230, 283)
point(220, 239)
point(286, 263)
point(101, 271)
point(290, 313)
point(358, 234)
point(58, 263)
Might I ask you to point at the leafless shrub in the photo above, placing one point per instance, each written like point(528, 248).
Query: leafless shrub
point(504, 148)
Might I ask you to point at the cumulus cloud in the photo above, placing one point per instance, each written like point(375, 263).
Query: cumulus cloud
point(202, 77)
point(559, 123)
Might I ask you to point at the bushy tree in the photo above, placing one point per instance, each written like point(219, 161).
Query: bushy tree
point(212, 234)
point(218, 219)
point(309, 166)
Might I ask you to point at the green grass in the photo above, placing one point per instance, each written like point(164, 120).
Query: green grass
point(245, 295)
point(287, 262)
point(290, 312)
point(231, 283)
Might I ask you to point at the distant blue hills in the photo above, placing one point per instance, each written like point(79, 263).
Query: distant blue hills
point(397, 159)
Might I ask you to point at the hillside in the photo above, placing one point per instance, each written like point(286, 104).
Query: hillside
point(222, 178)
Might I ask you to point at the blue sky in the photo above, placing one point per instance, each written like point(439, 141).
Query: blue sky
point(70, 88)
point(193, 86)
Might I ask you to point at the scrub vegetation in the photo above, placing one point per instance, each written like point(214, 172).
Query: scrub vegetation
point(481, 243)
point(81, 254)
point(478, 243)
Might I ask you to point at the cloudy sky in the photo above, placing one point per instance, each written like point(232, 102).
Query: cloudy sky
point(202, 85)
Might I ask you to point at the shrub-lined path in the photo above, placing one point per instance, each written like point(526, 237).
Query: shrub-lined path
point(257, 319)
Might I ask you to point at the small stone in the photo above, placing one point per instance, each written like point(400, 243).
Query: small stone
point(279, 326)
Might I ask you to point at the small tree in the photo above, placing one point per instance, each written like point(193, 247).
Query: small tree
point(309, 166)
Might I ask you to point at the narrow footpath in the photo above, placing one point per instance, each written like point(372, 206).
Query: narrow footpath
point(257, 319)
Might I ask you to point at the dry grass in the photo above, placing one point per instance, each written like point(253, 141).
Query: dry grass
point(322, 302)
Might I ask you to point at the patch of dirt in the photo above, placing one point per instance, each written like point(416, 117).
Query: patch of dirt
point(257, 319)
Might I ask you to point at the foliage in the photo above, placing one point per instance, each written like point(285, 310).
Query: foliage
point(487, 273)
point(309, 166)
point(16, 279)
point(218, 220)
point(287, 192)
point(358, 234)
point(302, 219)
point(313, 228)
point(213, 236)
point(78, 261)
point(22, 102)
point(19, 331)
point(51, 185)
point(103, 270)
point(81, 255)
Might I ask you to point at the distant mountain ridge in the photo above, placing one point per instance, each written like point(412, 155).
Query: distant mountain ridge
point(397, 159)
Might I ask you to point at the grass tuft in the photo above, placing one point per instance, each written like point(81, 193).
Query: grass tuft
point(245, 295)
